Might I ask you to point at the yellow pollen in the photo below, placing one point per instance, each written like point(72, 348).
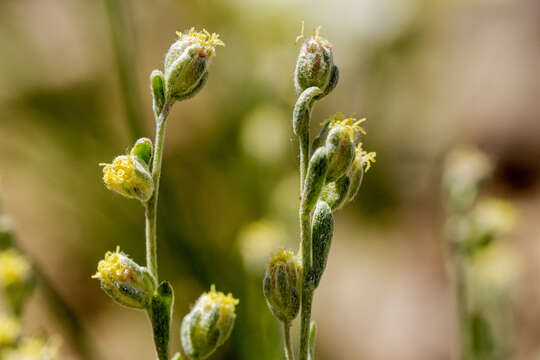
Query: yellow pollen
point(111, 267)
point(282, 256)
point(226, 303)
point(121, 171)
point(203, 38)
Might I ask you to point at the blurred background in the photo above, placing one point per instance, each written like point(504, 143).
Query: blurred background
point(427, 74)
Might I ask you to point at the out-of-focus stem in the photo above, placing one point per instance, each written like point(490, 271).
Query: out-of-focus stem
point(124, 62)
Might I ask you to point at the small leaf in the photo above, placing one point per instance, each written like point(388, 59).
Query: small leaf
point(157, 84)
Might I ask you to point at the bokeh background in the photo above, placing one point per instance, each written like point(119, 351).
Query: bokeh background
point(427, 74)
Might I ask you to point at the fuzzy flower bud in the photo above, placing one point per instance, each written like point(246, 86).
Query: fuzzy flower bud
point(16, 278)
point(125, 281)
point(128, 175)
point(315, 64)
point(10, 330)
point(464, 169)
point(315, 177)
point(281, 285)
point(335, 193)
point(187, 62)
point(340, 144)
point(361, 164)
point(209, 324)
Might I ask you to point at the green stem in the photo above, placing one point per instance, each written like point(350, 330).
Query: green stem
point(151, 205)
point(161, 336)
point(307, 285)
point(461, 304)
point(289, 352)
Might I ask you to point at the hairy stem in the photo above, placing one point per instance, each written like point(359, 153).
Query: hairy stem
point(307, 286)
point(161, 339)
point(151, 205)
point(289, 352)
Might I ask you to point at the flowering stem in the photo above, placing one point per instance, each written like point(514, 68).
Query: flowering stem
point(289, 353)
point(151, 205)
point(307, 286)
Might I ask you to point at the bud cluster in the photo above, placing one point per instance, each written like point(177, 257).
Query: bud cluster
point(346, 164)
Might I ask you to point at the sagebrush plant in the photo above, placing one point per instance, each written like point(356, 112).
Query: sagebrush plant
point(136, 175)
point(331, 170)
point(482, 263)
point(17, 283)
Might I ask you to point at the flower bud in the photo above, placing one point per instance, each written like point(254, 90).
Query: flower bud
point(315, 177)
point(129, 176)
point(464, 169)
point(315, 64)
point(209, 324)
point(336, 192)
point(143, 150)
point(281, 285)
point(340, 144)
point(322, 230)
point(10, 330)
point(125, 281)
point(187, 62)
point(361, 164)
point(16, 278)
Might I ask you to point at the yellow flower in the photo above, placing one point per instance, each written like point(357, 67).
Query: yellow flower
point(206, 40)
point(350, 124)
point(124, 280)
point(226, 303)
point(14, 268)
point(128, 176)
point(35, 348)
point(10, 329)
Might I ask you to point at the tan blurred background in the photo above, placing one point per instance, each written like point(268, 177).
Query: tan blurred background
point(427, 74)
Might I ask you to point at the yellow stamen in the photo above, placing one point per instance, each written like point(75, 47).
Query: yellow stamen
point(350, 124)
point(366, 158)
point(204, 38)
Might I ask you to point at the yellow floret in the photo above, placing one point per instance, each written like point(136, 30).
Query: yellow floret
point(203, 38)
point(350, 125)
point(121, 171)
point(14, 267)
point(282, 256)
point(366, 158)
point(111, 267)
point(226, 303)
point(10, 329)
